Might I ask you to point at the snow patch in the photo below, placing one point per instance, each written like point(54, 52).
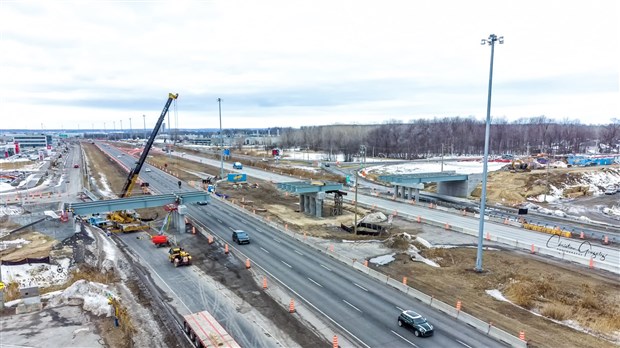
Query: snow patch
point(382, 260)
point(496, 294)
point(37, 274)
point(94, 297)
point(424, 242)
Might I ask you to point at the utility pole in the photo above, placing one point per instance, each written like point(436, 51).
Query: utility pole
point(219, 104)
point(485, 166)
point(362, 156)
point(130, 129)
point(144, 119)
point(442, 157)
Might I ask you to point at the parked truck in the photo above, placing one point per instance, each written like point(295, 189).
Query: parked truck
point(205, 332)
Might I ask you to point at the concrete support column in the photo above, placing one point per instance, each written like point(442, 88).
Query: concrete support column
point(396, 191)
point(320, 197)
point(417, 195)
point(306, 204)
point(312, 205)
point(410, 192)
point(318, 207)
point(403, 189)
point(301, 203)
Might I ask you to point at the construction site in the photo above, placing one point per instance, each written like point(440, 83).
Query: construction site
point(544, 296)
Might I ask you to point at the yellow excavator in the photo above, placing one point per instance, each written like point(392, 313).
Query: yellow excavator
point(125, 221)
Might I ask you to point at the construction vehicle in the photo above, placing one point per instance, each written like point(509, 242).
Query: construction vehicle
point(126, 221)
point(179, 257)
point(135, 172)
point(205, 332)
point(160, 240)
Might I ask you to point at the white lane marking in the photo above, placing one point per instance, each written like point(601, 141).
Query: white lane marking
point(406, 340)
point(357, 309)
point(220, 221)
point(286, 264)
point(322, 265)
point(298, 252)
point(232, 229)
point(265, 250)
point(361, 287)
point(310, 279)
point(463, 343)
point(400, 309)
point(277, 240)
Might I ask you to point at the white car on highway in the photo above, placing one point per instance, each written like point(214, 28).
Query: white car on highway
point(148, 170)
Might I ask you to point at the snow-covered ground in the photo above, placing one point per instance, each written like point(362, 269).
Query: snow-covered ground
point(460, 167)
point(36, 274)
point(10, 210)
point(30, 167)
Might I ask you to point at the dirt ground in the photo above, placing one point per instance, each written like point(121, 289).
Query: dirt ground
point(513, 188)
point(102, 166)
point(40, 246)
point(555, 290)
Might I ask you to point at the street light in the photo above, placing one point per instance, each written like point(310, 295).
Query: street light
point(219, 104)
point(491, 42)
point(362, 156)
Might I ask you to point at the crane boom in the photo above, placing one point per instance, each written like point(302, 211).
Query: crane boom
point(133, 174)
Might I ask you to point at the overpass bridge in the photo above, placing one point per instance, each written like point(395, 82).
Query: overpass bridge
point(449, 183)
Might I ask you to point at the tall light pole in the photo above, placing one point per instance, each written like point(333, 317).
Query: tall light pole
point(130, 129)
point(144, 119)
point(362, 156)
point(219, 104)
point(122, 137)
point(491, 42)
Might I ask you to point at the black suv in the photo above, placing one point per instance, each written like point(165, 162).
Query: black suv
point(420, 326)
point(241, 237)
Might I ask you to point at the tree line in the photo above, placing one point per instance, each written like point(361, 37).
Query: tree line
point(456, 135)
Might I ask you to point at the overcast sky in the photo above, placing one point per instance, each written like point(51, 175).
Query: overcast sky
point(66, 64)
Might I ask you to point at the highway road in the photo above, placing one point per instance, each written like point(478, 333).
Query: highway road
point(357, 306)
point(595, 250)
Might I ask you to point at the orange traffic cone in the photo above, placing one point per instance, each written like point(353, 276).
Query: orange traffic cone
point(532, 249)
point(247, 263)
point(419, 219)
point(226, 249)
point(335, 342)
point(522, 335)
point(366, 263)
point(582, 235)
point(591, 265)
point(488, 236)
point(404, 280)
point(291, 307)
point(606, 240)
point(264, 283)
point(447, 226)
point(210, 239)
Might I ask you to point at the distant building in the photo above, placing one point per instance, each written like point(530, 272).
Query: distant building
point(33, 140)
